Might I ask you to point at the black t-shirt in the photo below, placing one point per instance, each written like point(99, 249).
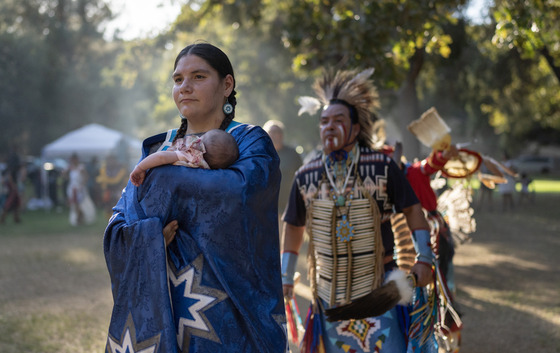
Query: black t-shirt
point(380, 175)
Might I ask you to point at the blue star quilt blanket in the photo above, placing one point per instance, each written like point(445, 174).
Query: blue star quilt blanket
point(216, 287)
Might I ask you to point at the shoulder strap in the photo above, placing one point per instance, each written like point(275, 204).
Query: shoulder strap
point(168, 140)
point(232, 126)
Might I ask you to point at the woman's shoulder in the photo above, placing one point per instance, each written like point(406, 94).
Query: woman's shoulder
point(237, 128)
point(246, 132)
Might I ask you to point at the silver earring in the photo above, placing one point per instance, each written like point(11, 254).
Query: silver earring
point(227, 108)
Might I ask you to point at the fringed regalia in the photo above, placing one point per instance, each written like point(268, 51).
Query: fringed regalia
point(217, 286)
point(350, 238)
point(435, 312)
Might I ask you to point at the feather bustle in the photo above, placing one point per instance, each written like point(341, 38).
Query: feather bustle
point(430, 128)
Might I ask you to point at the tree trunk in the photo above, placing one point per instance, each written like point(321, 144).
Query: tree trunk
point(550, 61)
point(408, 108)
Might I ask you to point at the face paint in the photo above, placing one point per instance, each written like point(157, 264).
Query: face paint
point(331, 143)
point(334, 128)
point(342, 131)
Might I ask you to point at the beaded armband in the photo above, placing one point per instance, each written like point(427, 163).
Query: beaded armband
point(289, 262)
point(422, 245)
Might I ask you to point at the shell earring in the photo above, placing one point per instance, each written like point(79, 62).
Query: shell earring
point(227, 108)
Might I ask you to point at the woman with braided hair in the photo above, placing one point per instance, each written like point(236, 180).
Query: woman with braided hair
point(193, 252)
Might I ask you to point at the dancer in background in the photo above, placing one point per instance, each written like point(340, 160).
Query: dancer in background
point(82, 209)
point(111, 179)
point(343, 200)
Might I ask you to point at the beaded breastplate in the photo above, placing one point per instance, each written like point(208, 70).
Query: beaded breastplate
point(345, 244)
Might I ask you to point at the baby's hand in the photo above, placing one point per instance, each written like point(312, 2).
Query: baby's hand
point(137, 176)
point(169, 231)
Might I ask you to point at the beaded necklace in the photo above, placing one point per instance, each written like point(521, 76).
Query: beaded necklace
point(338, 179)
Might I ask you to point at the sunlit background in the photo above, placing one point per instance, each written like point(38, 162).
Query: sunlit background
point(489, 67)
point(143, 18)
point(92, 77)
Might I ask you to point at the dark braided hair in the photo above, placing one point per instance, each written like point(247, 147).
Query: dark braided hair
point(219, 62)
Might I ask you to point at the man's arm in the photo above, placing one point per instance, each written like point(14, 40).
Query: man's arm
point(420, 229)
point(292, 239)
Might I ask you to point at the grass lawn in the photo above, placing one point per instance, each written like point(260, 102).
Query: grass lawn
point(539, 185)
point(546, 185)
point(55, 292)
point(49, 222)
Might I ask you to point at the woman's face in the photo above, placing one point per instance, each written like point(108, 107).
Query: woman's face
point(336, 128)
point(198, 90)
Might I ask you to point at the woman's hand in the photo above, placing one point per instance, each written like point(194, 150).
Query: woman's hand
point(169, 231)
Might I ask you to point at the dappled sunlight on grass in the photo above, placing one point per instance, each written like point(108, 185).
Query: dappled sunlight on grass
point(79, 256)
point(515, 300)
point(508, 281)
point(43, 222)
point(45, 332)
point(478, 255)
point(549, 184)
point(55, 291)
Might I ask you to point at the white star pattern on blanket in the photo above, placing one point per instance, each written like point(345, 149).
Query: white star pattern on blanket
point(203, 298)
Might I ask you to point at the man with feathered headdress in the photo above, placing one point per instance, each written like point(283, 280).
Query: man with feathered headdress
point(343, 200)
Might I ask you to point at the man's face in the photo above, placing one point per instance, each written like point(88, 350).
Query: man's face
point(336, 129)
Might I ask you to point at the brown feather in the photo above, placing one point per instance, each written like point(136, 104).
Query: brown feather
point(404, 247)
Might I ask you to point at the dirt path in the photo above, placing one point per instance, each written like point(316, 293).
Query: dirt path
point(508, 280)
point(55, 291)
point(509, 283)
point(55, 294)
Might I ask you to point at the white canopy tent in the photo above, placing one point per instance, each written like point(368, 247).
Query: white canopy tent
point(94, 140)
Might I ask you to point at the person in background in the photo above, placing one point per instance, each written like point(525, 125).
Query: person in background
point(419, 175)
point(53, 181)
point(343, 200)
point(526, 194)
point(11, 197)
point(92, 168)
point(290, 161)
point(82, 210)
point(13, 200)
point(507, 189)
point(193, 253)
point(111, 179)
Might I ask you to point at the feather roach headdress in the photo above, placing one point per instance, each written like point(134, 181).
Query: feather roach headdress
point(351, 88)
